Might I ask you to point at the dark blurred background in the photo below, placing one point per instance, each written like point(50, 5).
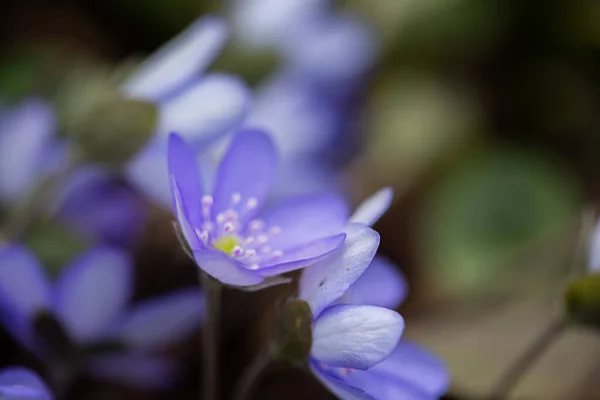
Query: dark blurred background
point(484, 117)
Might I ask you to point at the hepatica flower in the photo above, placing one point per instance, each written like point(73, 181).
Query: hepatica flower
point(231, 237)
point(82, 318)
point(17, 383)
point(347, 338)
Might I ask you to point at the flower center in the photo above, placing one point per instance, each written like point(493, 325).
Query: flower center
point(226, 243)
point(228, 232)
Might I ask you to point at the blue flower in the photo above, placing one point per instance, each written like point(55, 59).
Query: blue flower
point(347, 338)
point(355, 278)
point(198, 105)
point(229, 238)
point(88, 304)
point(17, 383)
point(90, 201)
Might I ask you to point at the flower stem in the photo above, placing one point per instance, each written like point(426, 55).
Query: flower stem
point(251, 373)
point(527, 359)
point(210, 340)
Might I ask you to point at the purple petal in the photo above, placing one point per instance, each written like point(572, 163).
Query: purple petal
point(325, 282)
point(176, 63)
point(92, 292)
point(225, 269)
point(336, 386)
point(382, 284)
point(25, 135)
point(370, 210)
point(101, 208)
point(248, 169)
point(358, 337)
point(162, 321)
point(384, 387)
point(17, 383)
point(136, 369)
point(304, 256)
point(304, 219)
point(416, 366)
point(213, 105)
point(24, 286)
point(183, 170)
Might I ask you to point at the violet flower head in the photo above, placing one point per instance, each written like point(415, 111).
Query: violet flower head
point(17, 383)
point(347, 337)
point(594, 251)
point(410, 371)
point(197, 104)
point(84, 313)
point(231, 237)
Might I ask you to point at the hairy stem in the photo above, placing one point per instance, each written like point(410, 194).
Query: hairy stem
point(251, 374)
point(210, 339)
point(527, 359)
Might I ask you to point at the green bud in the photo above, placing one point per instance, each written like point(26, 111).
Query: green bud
point(54, 245)
point(582, 300)
point(294, 333)
point(115, 129)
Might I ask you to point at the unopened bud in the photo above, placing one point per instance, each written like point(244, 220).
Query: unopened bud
point(582, 300)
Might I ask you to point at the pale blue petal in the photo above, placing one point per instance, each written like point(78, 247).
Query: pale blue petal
point(303, 219)
point(594, 255)
point(248, 168)
point(17, 383)
point(335, 49)
point(268, 23)
point(299, 119)
point(336, 386)
point(383, 387)
point(382, 284)
point(225, 269)
point(325, 282)
point(161, 321)
point(92, 293)
point(24, 288)
point(175, 64)
point(370, 210)
point(148, 172)
point(355, 336)
point(25, 137)
point(139, 370)
point(211, 106)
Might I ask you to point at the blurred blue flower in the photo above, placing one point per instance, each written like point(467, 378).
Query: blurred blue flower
point(354, 278)
point(84, 313)
point(91, 201)
point(198, 105)
point(594, 250)
point(314, 40)
point(17, 383)
point(230, 239)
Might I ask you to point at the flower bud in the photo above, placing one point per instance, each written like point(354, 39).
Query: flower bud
point(294, 333)
point(582, 300)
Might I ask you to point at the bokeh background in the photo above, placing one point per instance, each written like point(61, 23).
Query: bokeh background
point(482, 114)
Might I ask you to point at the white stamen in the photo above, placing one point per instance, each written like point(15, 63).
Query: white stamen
point(236, 197)
point(275, 230)
point(237, 250)
point(265, 249)
point(249, 240)
point(256, 225)
point(203, 236)
point(262, 239)
point(231, 215)
point(220, 218)
point(228, 227)
point(252, 203)
point(254, 266)
point(277, 253)
point(250, 252)
point(207, 200)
